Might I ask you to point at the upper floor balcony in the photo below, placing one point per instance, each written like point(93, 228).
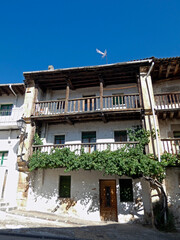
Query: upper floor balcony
point(168, 104)
point(106, 107)
point(88, 147)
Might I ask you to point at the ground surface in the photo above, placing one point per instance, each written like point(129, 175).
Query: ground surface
point(35, 225)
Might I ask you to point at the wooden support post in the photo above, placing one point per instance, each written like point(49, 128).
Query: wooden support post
point(101, 94)
point(67, 98)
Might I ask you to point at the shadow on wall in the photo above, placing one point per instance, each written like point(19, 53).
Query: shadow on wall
point(85, 201)
point(45, 198)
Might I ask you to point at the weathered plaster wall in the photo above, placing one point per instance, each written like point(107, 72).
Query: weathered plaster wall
point(172, 182)
point(84, 202)
point(166, 86)
point(168, 126)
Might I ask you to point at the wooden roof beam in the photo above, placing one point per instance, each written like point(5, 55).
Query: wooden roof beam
point(5, 91)
point(160, 70)
point(168, 71)
point(176, 69)
point(69, 82)
point(19, 90)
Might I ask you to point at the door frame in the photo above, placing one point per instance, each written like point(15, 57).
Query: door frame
point(114, 180)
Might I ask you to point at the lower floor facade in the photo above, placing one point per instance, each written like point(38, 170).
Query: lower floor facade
point(90, 195)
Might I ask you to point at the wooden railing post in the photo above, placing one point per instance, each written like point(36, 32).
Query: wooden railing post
point(67, 97)
point(101, 93)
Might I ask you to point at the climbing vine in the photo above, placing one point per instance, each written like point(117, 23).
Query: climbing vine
point(129, 160)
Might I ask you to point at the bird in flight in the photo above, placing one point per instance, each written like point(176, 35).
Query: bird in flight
point(104, 54)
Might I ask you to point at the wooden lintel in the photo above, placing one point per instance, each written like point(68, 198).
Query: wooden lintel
point(164, 115)
point(168, 70)
point(104, 118)
point(176, 69)
point(160, 70)
point(171, 115)
point(69, 121)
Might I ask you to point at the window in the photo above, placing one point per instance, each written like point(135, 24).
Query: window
point(6, 109)
point(89, 137)
point(3, 157)
point(126, 190)
point(120, 136)
point(59, 139)
point(176, 134)
point(65, 186)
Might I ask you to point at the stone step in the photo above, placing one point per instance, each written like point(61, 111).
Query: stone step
point(8, 208)
point(5, 206)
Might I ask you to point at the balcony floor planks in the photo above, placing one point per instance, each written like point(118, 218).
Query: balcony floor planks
point(111, 115)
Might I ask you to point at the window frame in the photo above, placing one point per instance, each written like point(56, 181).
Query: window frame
point(115, 131)
point(6, 112)
point(59, 139)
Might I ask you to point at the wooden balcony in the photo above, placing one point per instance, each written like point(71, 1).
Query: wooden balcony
point(88, 147)
point(91, 107)
point(171, 145)
point(168, 105)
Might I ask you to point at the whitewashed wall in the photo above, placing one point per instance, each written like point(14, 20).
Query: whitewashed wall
point(43, 195)
point(9, 122)
point(9, 142)
point(104, 131)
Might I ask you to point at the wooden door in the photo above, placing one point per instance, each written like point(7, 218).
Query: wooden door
point(108, 201)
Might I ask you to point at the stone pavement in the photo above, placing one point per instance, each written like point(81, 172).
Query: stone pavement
point(51, 226)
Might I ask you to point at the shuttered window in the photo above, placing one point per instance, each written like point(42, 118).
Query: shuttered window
point(126, 190)
point(3, 157)
point(65, 186)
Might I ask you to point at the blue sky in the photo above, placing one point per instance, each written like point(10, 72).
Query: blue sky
point(38, 33)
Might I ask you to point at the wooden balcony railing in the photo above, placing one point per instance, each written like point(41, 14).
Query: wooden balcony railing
point(167, 100)
point(90, 104)
point(171, 145)
point(88, 147)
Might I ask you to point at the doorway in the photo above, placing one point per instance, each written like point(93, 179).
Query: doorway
point(108, 200)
